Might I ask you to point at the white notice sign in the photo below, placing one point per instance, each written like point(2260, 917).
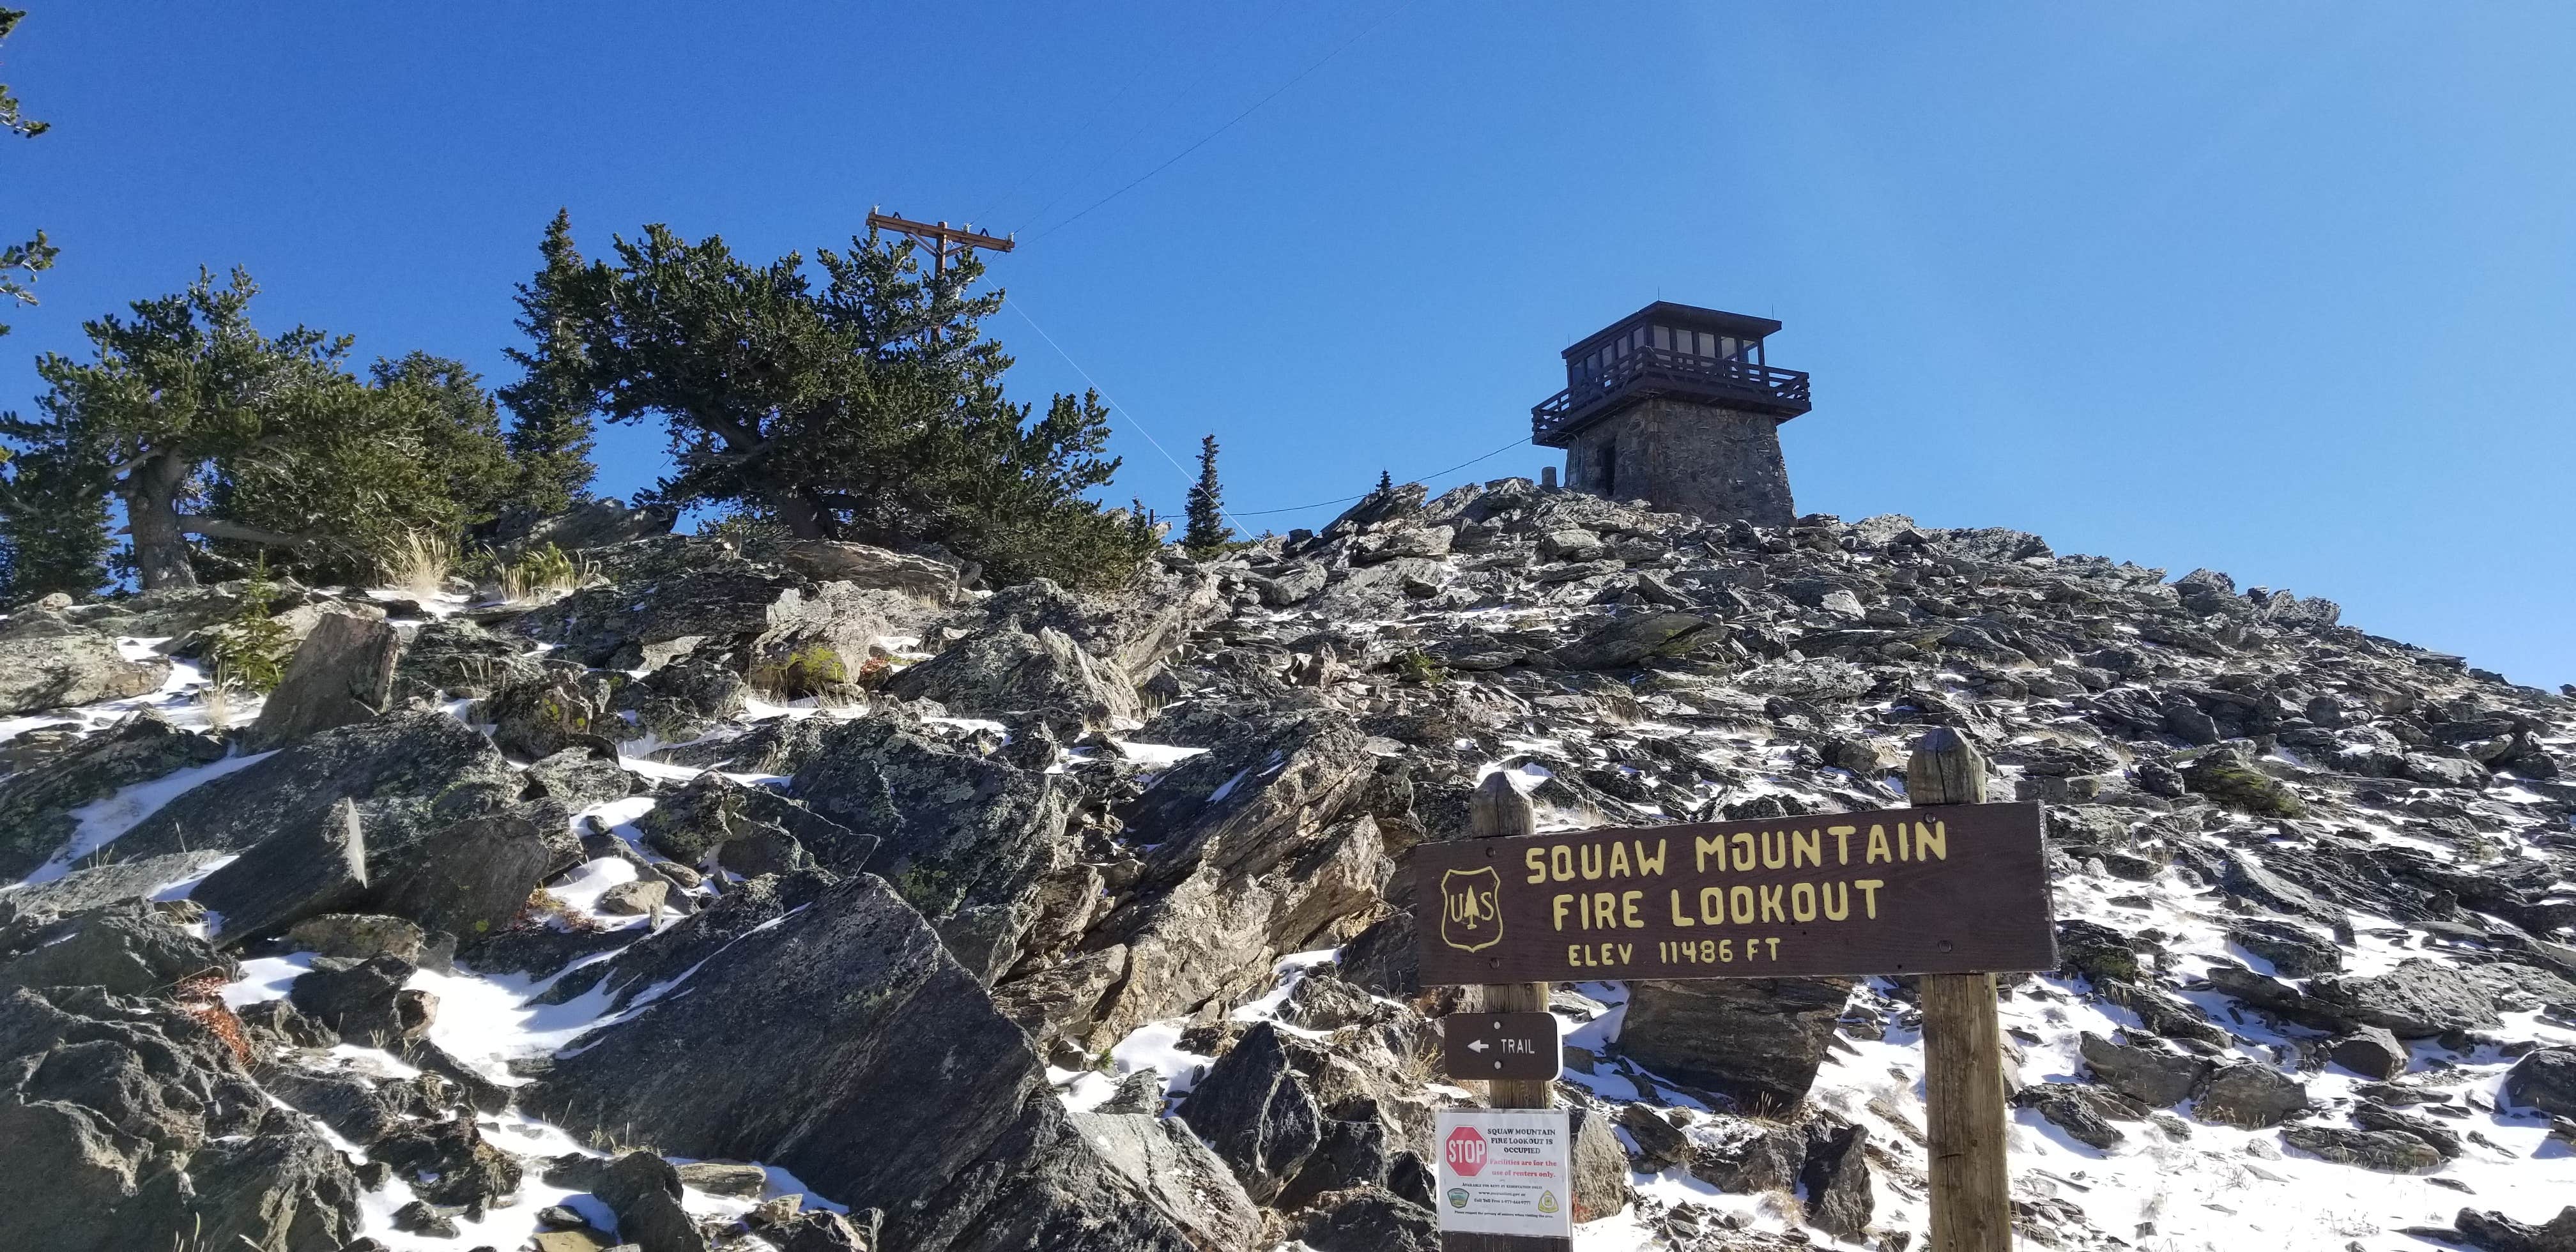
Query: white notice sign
point(1506, 1172)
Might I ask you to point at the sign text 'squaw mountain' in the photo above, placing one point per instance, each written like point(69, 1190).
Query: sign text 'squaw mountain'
point(1898, 891)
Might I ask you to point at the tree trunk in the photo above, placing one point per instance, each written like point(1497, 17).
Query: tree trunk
point(151, 494)
point(797, 514)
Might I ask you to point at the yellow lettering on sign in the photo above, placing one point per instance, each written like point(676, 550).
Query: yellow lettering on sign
point(1706, 844)
point(1837, 901)
point(1739, 905)
point(1842, 842)
point(1560, 863)
point(1878, 844)
point(1628, 902)
point(1802, 901)
point(1619, 860)
point(1775, 849)
point(1869, 893)
point(1807, 847)
point(1680, 918)
point(1654, 866)
point(1536, 859)
point(1771, 911)
point(1591, 854)
point(1931, 841)
point(1712, 905)
point(1558, 904)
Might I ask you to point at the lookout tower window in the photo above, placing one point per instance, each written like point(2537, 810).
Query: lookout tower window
point(1610, 467)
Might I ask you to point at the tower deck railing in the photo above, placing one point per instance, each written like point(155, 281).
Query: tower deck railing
point(1655, 371)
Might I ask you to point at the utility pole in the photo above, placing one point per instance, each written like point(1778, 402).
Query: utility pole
point(941, 238)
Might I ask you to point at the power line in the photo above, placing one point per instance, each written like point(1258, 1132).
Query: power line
point(1366, 494)
point(1229, 123)
point(1114, 406)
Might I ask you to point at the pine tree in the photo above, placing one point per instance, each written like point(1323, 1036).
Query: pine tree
point(53, 526)
point(1385, 483)
point(201, 425)
point(550, 406)
point(1207, 533)
point(849, 399)
point(35, 255)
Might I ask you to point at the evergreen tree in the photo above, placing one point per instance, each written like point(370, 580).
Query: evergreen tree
point(1207, 532)
point(550, 406)
point(20, 262)
point(53, 526)
point(361, 465)
point(203, 426)
point(1385, 483)
point(853, 399)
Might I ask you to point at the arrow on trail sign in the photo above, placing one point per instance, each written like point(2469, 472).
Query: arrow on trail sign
point(1501, 1045)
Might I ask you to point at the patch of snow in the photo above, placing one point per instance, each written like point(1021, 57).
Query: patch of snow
point(102, 821)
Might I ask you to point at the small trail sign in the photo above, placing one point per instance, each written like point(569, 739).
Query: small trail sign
point(1501, 1045)
point(1506, 1172)
point(1898, 891)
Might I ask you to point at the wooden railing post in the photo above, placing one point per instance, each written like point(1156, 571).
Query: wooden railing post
point(1498, 810)
point(1963, 1076)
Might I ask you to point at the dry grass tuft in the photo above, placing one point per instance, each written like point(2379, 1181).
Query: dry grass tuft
point(418, 563)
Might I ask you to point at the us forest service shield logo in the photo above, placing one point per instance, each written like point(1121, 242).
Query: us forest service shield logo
point(1471, 918)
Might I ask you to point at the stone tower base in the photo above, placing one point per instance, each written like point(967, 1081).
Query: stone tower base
point(1717, 464)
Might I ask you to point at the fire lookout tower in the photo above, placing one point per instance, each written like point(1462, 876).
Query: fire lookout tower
point(1674, 404)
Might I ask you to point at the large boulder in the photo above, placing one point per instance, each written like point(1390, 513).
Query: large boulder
point(287, 877)
point(1255, 1113)
point(713, 812)
point(2251, 1095)
point(845, 1044)
point(1164, 1159)
point(2384, 1151)
point(129, 949)
point(2544, 1079)
point(365, 1001)
point(343, 672)
point(2495, 1232)
point(131, 1123)
point(965, 838)
point(472, 878)
point(642, 622)
point(1004, 671)
point(36, 802)
point(409, 775)
point(1757, 1041)
point(866, 567)
point(2418, 999)
point(113, 883)
point(2155, 1078)
point(50, 664)
point(1624, 641)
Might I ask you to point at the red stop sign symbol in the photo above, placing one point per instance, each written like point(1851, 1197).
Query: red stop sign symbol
point(1466, 1151)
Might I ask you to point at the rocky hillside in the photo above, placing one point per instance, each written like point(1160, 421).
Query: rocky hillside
point(811, 898)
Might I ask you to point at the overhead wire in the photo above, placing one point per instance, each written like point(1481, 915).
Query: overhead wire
point(1114, 405)
point(1294, 508)
point(1229, 124)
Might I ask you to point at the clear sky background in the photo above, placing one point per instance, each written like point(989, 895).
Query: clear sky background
point(2285, 290)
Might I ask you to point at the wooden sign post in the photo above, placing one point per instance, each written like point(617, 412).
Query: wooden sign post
point(1963, 1054)
point(1951, 891)
point(1498, 810)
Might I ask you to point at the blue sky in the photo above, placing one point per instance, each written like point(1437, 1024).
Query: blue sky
point(2284, 290)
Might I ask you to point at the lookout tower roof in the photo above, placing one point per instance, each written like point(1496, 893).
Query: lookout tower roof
point(1738, 325)
point(1678, 351)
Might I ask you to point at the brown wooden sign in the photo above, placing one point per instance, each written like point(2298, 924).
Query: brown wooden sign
point(1501, 1045)
point(1958, 889)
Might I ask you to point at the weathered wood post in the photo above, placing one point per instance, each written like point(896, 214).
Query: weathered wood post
point(1498, 810)
point(1963, 1075)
